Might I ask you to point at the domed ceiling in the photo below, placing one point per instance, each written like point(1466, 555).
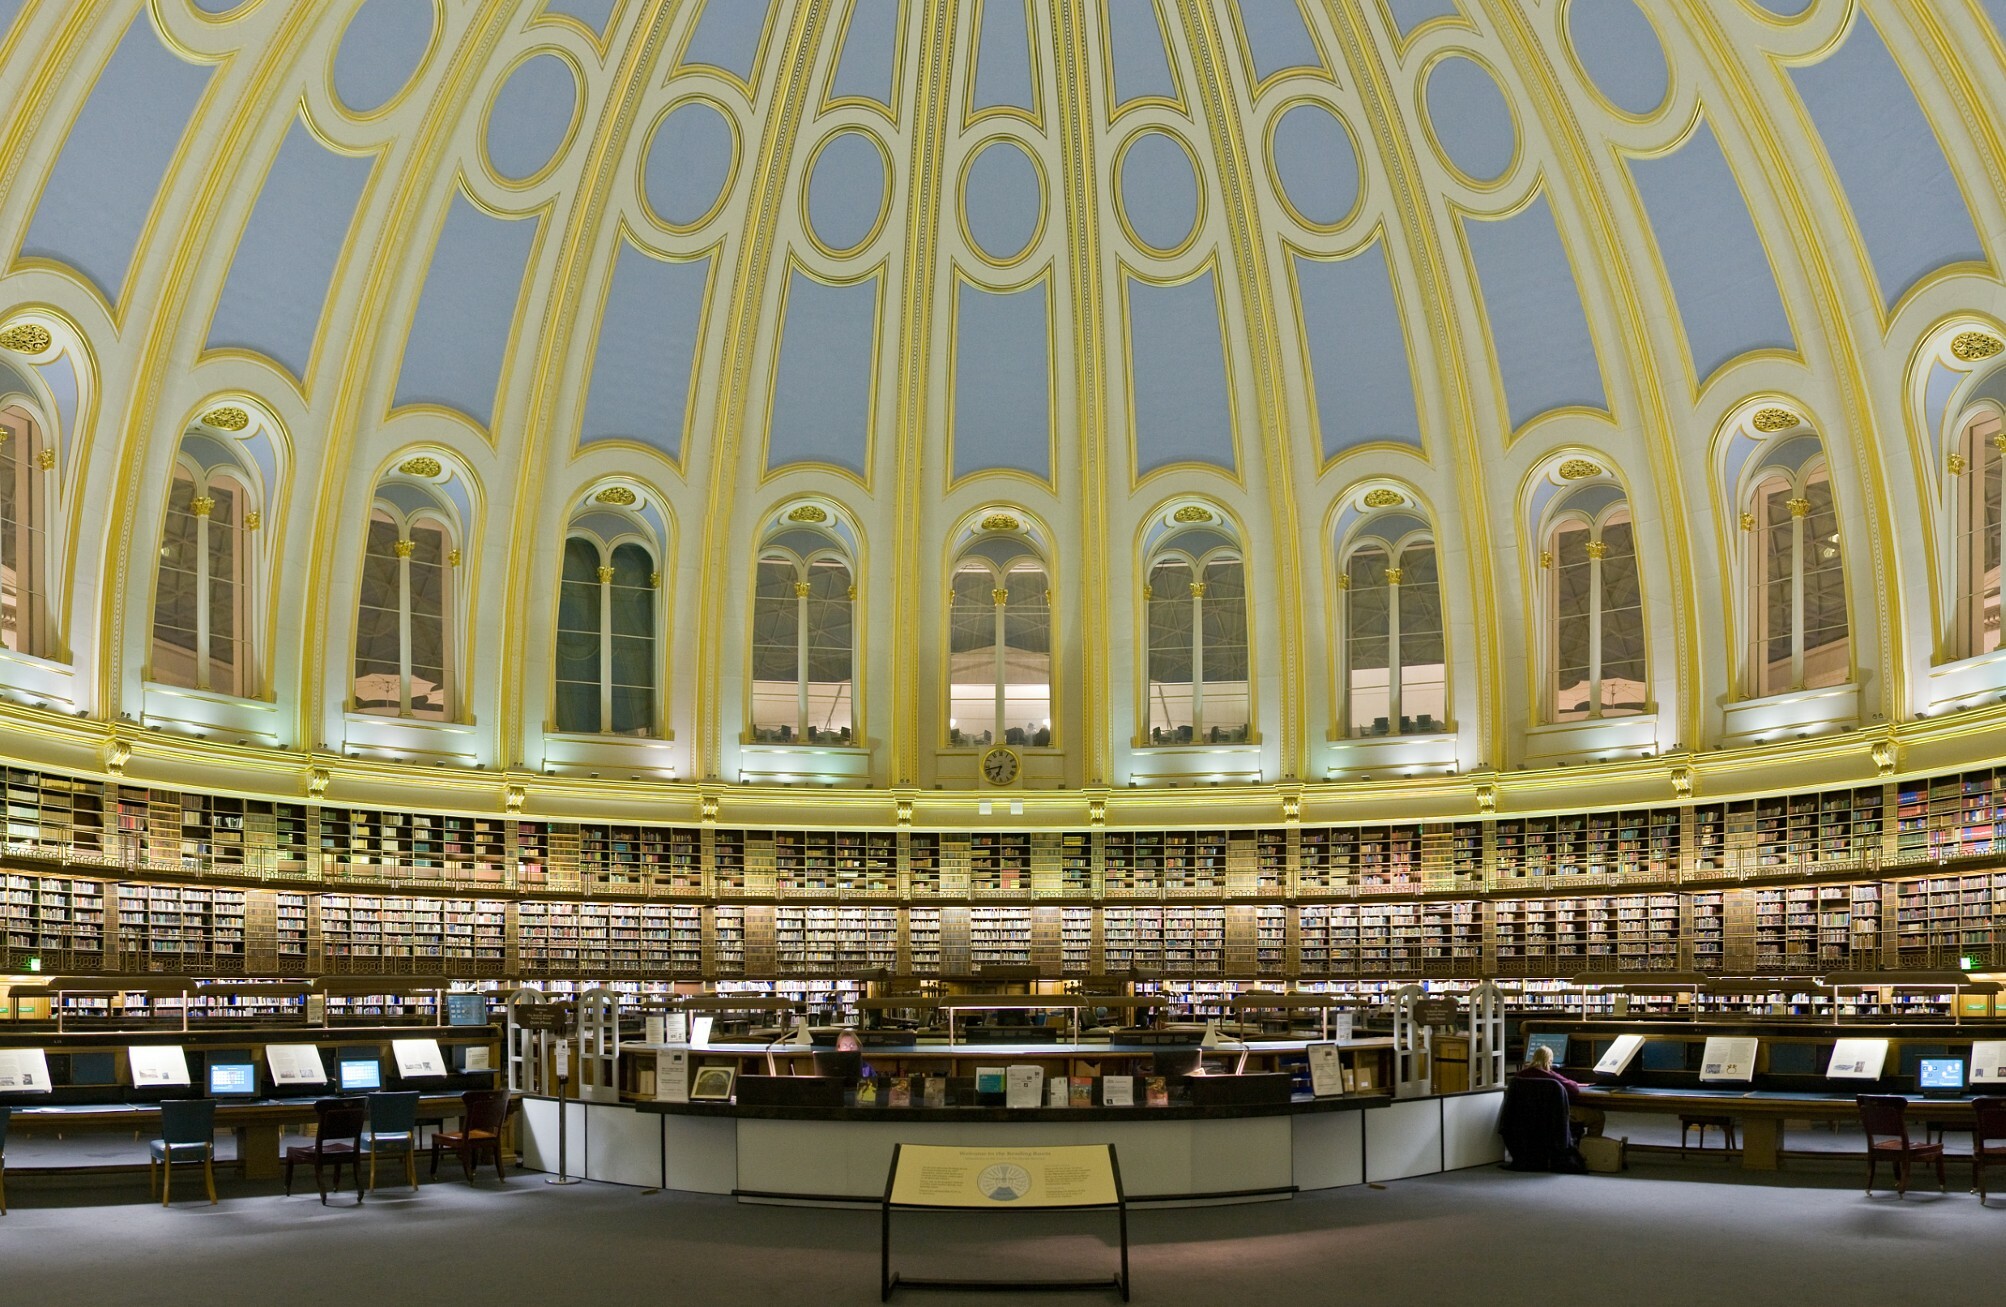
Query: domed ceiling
point(1576, 297)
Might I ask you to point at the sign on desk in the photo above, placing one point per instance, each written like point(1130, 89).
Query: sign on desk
point(1728, 1058)
point(295, 1064)
point(938, 1175)
point(156, 1067)
point(1988, 1062)
point(418, 1058)
point(23, 1071)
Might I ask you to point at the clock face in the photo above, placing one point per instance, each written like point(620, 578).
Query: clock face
point(999, 766)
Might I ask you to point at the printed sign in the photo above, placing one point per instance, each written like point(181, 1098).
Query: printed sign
point(1728, 1058)
point(295, 1064)
point(931, 1175)
point(23, 1071)
point(418, 1058)
point(1857, 1059)
point(156, 1067)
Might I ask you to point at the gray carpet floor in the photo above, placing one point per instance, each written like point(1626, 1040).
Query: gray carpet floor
point(1663, 1233)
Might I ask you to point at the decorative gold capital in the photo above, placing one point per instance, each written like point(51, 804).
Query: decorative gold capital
point(1798, 507)
point(654, 580)
point(605, 575)
point(453, 558)
point(1197, 589)
point(202, 506)
point(1774, 419)
point(851, 593)
point(616, 495)
point(1957, 465)
point(1344, 581)
point(1999, 441)
point(1292, 808)
point(1097, 811)
point(253, 520)
point(1682, 782)
point(27, 338)
point(904, 807)
point(1747, 521)
point(1393, 575)
point(117, 753)
point(998, 596)
point(707, 807)
point(801, 589)
point(1148, 590)
point(404, 548)
point(1598, 549)
point(316, 782)
point(1969, 346)
point(1487, 799)
point(422, 466)
point(1579, 469)
point(513, 798)
point(808, 513)
point(1886, 755)
point(1546, 558)
point(46, 460)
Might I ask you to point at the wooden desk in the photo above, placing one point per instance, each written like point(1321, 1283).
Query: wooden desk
point(259, 1125)
point(1763, 1112)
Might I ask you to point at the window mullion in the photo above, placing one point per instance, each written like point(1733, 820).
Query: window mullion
point(1197, 659)
point(605, 649)
point(1393, 709)
point(801, 660)
point(1800, 508)
point(404, 548)
point(1596, 549)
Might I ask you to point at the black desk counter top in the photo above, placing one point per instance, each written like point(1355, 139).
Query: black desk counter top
point(1301, 1105)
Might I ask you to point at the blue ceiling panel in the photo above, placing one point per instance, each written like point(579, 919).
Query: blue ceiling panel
point(1181, 410)
point(1003, 380)
point(1538, 328)
point(822, 386)
point(644, 357)
point(466, 312)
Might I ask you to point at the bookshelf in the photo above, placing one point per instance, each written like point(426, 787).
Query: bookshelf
point(999, 865)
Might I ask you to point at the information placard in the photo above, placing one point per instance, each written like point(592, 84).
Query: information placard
point(418, 1058)
point(672, 1075)
point(1988, 1062)
point(1118, 1091)
point(1326, 1070)
point(939, 1175)
point(1857, 1059)
point(23, 1071)
point(1728, 1058)
point(295, 1064)
point(1620, 1055)
point(154, 1068)
point(1340, 1025)
point(1024, 1087)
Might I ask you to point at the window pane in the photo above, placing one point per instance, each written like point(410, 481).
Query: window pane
point(1771, 636)
point(1827, 648)
point(1572, 622)
point(428, 621)
point(577, 647)
point(1423, 665)
point(1027, 658)
point(1367, 646)
point(633, 653)
point(1990, 457)
point(377, 684)
point(830, 650)
point(1169, 616)
point(776, 658)
point(229, 646)
point(21, 542)
point(175, 614)
point(1623, 688)
point(1223, 609)
point(971, 657)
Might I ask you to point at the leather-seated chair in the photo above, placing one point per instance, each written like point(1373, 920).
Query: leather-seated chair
point(480, 1132)
point(337, 1142)
point(1988, 1140)
point(1884, 1118)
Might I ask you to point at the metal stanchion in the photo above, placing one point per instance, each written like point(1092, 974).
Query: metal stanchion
point(563, 1175)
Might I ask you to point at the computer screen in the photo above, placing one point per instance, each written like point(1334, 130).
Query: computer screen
point(846, 1064)
point(1941, 1073)
point(466, 1010)
point(1558, 1043)
point(361, 1074)
point(233, 1080)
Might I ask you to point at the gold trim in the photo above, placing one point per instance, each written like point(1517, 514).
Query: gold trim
point(616, 495)
point(1191, 513)
point(403, 548)
point(808, 513)
point(227, 417)
point(605, 574)
point(421, 466)
point(202, 506)
point(1767, 420)
point(1972, 346)
point(1000, 522)
point(253, 520)
point(46, 460)
point(1956, 464)
point(1384, 498)
point(27, 338)
point(1579, 469)
point(1798, 507)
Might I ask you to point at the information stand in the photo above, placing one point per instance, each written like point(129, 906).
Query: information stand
point(942, 1178)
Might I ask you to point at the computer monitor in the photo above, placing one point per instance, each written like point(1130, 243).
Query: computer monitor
point(1940, 1075)
point(466, 1009)
point(1175, 1061)
point(843, 1064)
point(360, 1074)
point(233, 1080)
point(1558, 1043)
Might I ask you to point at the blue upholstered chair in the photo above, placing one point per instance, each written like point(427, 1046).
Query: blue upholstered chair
point(187, 1134)
point(393, 1129)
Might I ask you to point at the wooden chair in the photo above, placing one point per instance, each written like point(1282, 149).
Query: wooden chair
point(1988, 1140)
point(480, 1132)
point(187, 1134)
point(1725, 1124)
point(1884, 1117)
point(337, 1142)
point(393, 1129)
point(5, 1113)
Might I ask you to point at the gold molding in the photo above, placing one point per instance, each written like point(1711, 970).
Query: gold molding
point(1598, 549)
point(202, 506)
point(605, 574)
point(1000, 522)
point(403, 548)
point(1579, 469)
point(1956, 464)
point(808, 513)
point(422, 466)
point(27, 338)
point(616, 495)
point(1798, 507)
point(1192, 513)
point(227, 417)
point(1384, 498)
point(1767, 420)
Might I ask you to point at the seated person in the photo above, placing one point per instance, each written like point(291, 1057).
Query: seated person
point(1540, 1067)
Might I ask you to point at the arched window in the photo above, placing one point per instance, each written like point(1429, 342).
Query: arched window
point(23, 519)
point(606, 639)
point(1595, 616)
point(999, 653)
point(403, 628)
point(1981, 534)
point(803, 649)
point(1395, 662)
point(1196, 597)
point(202, 609)
point(1796, 578)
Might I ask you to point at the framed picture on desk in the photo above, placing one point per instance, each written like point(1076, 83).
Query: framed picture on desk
point(713, 1084)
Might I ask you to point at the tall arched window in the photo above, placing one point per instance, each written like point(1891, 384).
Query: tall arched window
point(1395, 661)
point(803, 646)
point(1981, 534)
point(1797, 637)
point(403, 627)
point(1196, 598)
point(606, 639)
point(202, 608)
point(999, 658)
point(23, 549)
point(1595, 616)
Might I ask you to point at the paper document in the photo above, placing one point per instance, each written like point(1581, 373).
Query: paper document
point(295, 1064)
point(1620, 1055)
